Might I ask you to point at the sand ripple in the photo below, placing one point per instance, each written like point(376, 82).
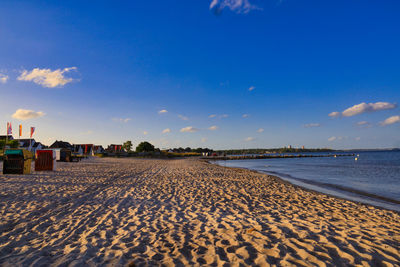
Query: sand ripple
point(183, 212)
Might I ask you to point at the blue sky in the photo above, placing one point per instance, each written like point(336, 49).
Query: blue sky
point(101, 72)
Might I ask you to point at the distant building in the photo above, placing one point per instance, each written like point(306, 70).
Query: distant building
point(62, 144)
point(289, 146)
point(98, 149)
point(302, 147)
point(30, 144)
point(114, 148)
point(84, 149)
point(3, 137)
point(77, 149)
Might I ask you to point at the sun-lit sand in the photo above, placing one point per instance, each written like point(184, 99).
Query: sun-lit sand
point(183, 212)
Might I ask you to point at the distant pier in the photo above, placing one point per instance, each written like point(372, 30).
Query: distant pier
point(239, 157)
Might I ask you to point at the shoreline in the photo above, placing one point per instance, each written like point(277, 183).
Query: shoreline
point(337, 191)
point(184, 212)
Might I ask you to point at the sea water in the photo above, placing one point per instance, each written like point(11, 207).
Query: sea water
point(374, 178)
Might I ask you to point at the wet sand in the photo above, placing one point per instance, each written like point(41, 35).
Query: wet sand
point(183, 212)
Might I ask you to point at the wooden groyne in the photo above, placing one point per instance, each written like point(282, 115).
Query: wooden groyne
point(238, 157)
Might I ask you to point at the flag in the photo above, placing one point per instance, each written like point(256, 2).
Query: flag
point(9, 128)
point(32, 131)
point(20, 130)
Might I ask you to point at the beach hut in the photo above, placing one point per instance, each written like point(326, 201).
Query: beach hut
point(65, 155)
point(58, 153)
point(17, 161)
point(45, 160)
point(62, 154)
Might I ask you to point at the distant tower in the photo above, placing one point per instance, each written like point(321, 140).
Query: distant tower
point(302, 147)
point(289, 146)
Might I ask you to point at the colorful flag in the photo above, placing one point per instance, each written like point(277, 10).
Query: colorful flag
point(9, 128)
point(32, 131)
point(20, 130)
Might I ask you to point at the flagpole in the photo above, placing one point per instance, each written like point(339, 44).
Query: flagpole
point(4, 150)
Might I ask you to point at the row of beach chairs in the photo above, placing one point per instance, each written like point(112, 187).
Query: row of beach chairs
point(19, 161)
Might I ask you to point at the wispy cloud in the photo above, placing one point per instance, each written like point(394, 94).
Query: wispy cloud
point(332, 138)
point(213, 128)
point(249, 139)
point(238, 6)
point(89, 132)
point(335, 138)
point(168, 130)
point(3, 78)
point(310, 125)
point(363, 108)
point(162, 111)
point(260, 130)
point(357, 138)
point(203, 140)
point(25, 114)
point(251, 88)
point(364, 124)
point(334, 114)
point(189, 129)
point(390, 120)
point(222, 116)
point(124, 120)
point(183, 117)
point(245, 115)
point(47, 77)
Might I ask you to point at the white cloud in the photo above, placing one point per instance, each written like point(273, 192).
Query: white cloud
point(168, 130)
point(260, 130)
point(25, 114)
point(189, 129)
point(363, 108)
point(238, 6)
point(145, 132)
point(245, 115)
point(47, 77)
point(162, 111)
point(3, 78)
point(310, 125)
point(124, 120)
point(212, 116)
point(249, 139)
point(183, 117)
point(334, 114)
point(390, 120)
point(213, 128)
point(332, 138)
point(251, 88)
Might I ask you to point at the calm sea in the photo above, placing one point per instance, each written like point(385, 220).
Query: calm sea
point(374, 178)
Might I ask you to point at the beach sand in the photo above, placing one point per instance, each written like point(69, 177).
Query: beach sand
point(121, 212)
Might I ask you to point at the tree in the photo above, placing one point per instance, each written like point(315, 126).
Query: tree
point(127, 146)
point(145, 147)
point(13, 143)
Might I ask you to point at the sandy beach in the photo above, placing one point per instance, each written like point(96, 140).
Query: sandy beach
point(121, 212)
